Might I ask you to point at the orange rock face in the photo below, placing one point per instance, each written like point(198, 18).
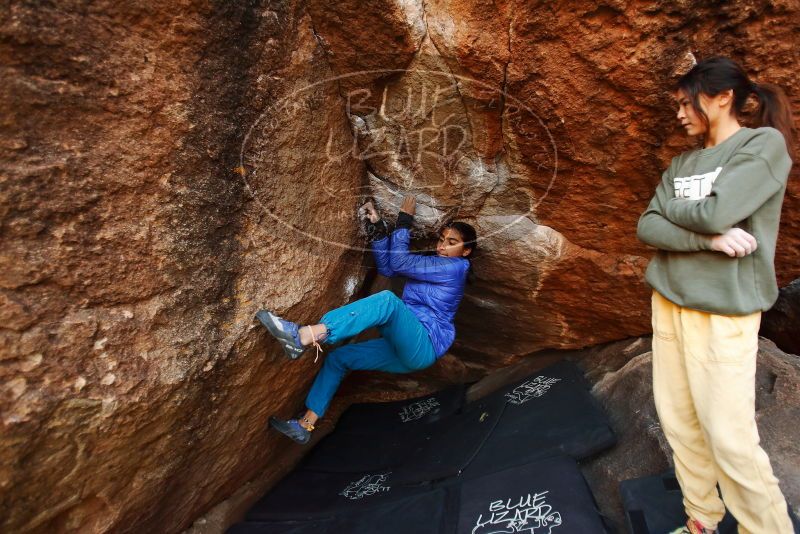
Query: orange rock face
point(135, 388)
point(548, 128)
point(167, 171)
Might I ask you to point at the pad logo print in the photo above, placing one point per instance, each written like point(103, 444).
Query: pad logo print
point(366, 486)
point(531, 389)
point(418, 410)
point(697, 186)
point(529, 514)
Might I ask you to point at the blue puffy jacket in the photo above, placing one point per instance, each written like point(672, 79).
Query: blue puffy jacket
point(434, 288)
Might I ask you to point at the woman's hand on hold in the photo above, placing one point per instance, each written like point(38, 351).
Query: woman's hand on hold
point(409, 204)
point(370, 212)
point(736, 243)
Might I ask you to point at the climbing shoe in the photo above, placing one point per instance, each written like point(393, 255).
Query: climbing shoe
point(286, 332)
point(693, 526)
point(292, 429)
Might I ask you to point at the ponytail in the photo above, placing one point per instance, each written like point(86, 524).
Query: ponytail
point(774, 110)
point(716, 74)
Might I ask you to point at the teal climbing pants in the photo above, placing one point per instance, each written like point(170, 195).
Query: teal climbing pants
point(404, 346)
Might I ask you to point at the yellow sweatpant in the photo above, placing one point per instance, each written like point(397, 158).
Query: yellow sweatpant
point(704, 368)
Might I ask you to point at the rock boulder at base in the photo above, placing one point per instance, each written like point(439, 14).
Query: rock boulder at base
point(781, 324)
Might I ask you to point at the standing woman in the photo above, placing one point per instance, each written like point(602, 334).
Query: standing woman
point(714, 220)
point(415, 331)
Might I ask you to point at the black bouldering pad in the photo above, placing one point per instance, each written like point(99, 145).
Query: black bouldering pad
point(283, 527)
point(415, 454)
point(543, 497)
point(378, 417)
point(451, 445)
point(346, 452)
point(404, 477)
point(550, 413)
point(426, 513)
point(654, 505)
point(309, 495)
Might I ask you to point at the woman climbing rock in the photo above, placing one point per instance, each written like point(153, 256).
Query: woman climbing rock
point(714, 220)
point(415, 331)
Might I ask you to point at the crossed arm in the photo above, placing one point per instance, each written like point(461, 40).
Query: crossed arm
point(744, 185)
point(682, 225)
point(656, 230)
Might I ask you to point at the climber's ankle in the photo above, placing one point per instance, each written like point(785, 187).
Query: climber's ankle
point(308, 333)
point(308, 420)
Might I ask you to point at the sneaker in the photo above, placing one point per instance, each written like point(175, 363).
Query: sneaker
point(286, 332)
point(693, 526)
point(292, 429)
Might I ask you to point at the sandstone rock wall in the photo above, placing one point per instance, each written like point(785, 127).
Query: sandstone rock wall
point(547, 125)
point(134, 391)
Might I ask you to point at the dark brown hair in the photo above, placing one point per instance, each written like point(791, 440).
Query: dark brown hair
point(468, 235)
point(717, 74)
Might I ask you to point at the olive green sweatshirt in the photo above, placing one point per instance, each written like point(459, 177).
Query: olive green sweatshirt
point(737, 183)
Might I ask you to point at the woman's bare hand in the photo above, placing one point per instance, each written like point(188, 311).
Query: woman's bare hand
point(409, 204)
point(371, 213)
point(735, 243)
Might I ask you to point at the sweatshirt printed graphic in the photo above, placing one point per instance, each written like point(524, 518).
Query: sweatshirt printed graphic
point(740, 183)
point(696, 186)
